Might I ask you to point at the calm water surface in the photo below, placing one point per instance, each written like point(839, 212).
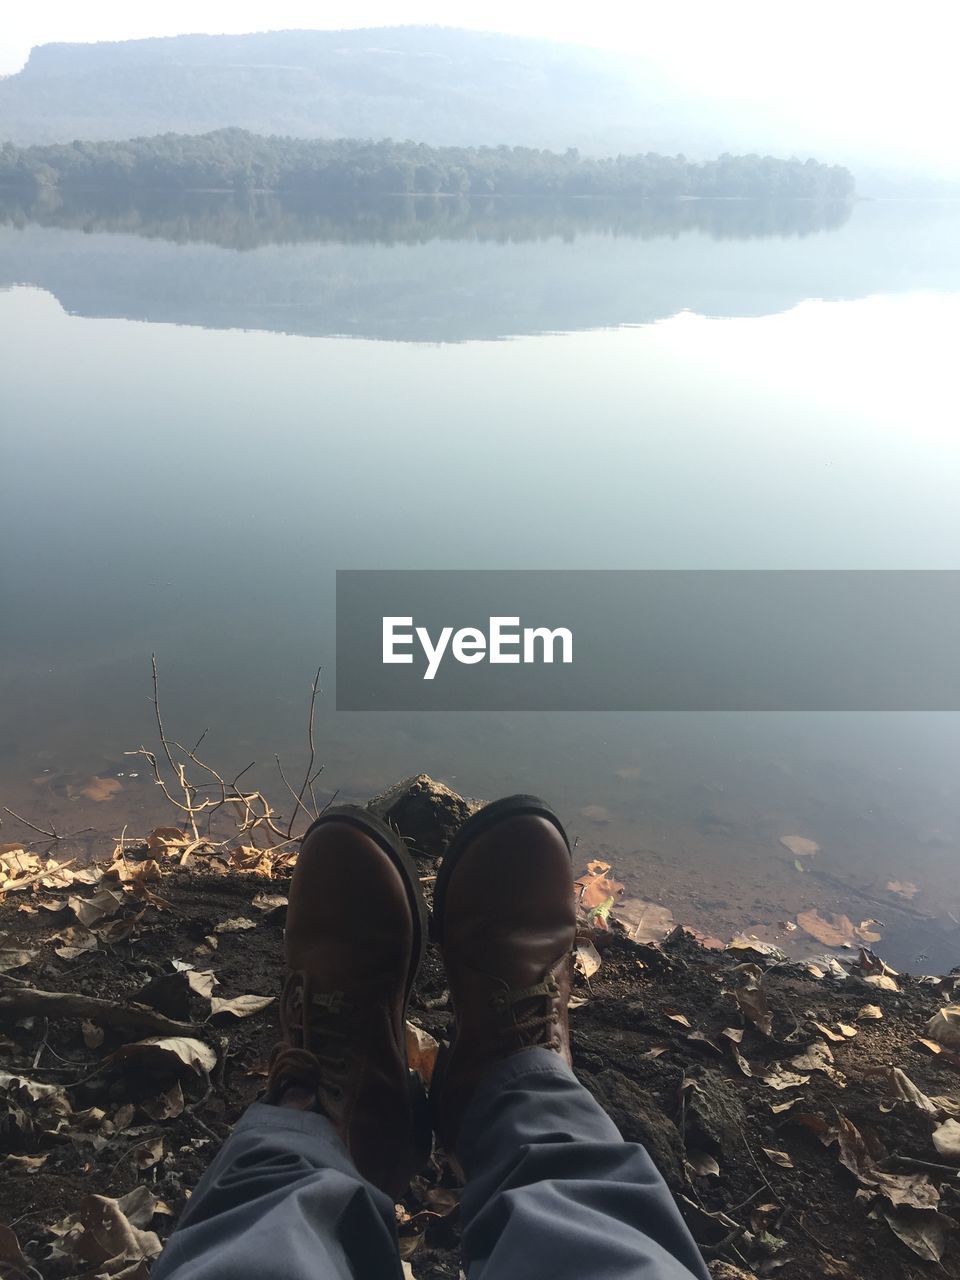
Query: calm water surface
point(208, 407)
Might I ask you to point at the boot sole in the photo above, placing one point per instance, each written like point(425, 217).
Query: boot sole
point(489, 816)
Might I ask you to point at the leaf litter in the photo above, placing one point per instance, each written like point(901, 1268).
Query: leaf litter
point(762, 1043)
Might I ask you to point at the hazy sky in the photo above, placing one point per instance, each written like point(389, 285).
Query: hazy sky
point(878, 74)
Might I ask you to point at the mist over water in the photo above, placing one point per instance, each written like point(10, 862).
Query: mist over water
point(697, 386)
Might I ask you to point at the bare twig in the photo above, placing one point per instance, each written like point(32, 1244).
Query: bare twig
point(297, 802)
point(313, 749)
point(53, 834)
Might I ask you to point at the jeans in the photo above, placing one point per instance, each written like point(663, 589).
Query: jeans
point(552, 1191)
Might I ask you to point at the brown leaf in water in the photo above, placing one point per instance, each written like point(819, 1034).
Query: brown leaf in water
point(800, 846)
point(596, 889)
point(832, 933)
point(906, 888)
point(100, 789)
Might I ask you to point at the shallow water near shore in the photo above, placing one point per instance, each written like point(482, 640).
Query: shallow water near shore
point(208, 413)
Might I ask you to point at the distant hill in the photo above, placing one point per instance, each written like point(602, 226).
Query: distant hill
point(430, 84)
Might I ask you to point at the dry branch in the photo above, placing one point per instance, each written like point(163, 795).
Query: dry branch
point(24, 1002)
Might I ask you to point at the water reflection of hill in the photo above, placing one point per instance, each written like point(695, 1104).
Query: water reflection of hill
point(448, 270)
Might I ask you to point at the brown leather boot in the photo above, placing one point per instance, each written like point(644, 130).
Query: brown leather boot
point(505, 918)
point(355, 936)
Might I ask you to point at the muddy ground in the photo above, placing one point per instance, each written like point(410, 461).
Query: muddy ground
point(801, 1113)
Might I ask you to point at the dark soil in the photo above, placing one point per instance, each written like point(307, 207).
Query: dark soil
point(647, 1043)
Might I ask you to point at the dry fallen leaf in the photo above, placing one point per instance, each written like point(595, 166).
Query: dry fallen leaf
point(92, 1034)
point(800, 846)
point(269, 902)
point(170, 1051)
point(870, 1013)
point(901, 1189)
point(12, 1261)
point(238, 1006)
point(922, 1231)
point(13, 958)
point(108, 1234)
point(588, 958)
point(777, 1077)
point(235, 925)
point(778, 1157)
point(422, 1051)
point(675, 1015)
point(75, 942)
point(93, 912)
point(200, 981)
point(645, 922)
point(946, 1139)
point(149, 1152)
point(167, 1106)
point(167, 839)
point(944, 1027)
point(751, 996)
point(703, 1165)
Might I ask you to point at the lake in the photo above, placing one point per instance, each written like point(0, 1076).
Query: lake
point(210, 404)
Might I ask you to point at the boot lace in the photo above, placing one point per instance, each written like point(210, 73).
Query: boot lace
point(312, 1051)
point(529, 1015)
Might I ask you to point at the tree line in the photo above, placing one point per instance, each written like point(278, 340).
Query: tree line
point(233, 159)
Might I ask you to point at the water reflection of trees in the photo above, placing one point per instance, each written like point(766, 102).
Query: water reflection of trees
point(249, 221)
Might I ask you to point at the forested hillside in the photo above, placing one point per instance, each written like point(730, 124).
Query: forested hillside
point(237, 160)
point(437, 85)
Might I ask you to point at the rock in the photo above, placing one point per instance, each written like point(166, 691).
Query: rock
point(640, 1120)
point(425, 812)
point(715, 1114)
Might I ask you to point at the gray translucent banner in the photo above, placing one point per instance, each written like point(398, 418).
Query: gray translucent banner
point(612, 640)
